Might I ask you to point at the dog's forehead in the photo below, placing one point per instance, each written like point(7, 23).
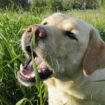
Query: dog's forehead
point(64, 21)
point(56, 19)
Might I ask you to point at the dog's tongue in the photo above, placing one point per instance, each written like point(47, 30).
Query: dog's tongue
point(29, 72)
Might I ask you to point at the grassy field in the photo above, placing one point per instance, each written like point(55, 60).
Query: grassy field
point(12, 25)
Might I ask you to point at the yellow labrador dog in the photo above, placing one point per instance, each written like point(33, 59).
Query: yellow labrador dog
point(70, 57)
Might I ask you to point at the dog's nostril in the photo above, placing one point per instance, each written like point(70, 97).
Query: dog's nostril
point(29, 29)
point(41, 35)
point(39, 32)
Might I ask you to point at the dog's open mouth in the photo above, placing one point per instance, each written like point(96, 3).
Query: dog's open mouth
point(26, 72)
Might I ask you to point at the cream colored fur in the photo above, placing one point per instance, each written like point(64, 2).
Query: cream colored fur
point(68, 58)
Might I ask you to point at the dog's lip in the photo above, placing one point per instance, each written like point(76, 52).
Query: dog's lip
point(27, 74)
point(24, 79)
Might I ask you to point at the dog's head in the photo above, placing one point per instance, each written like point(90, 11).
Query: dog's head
point(63, 46)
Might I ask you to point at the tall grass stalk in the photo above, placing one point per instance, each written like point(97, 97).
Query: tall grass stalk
point(37, 78)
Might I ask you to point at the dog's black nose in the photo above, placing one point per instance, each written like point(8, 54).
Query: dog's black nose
point(39, 31)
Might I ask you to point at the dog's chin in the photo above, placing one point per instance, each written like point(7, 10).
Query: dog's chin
point(26, 75)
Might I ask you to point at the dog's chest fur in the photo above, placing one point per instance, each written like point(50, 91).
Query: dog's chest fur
point(63, 93)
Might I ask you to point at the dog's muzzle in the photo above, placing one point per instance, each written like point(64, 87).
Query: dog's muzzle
point(26, 73)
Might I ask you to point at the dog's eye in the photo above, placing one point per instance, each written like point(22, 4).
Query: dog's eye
point(70, 35)
point(45, 23)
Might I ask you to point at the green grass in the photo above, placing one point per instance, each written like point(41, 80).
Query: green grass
point(12, 25)
point(37, 78)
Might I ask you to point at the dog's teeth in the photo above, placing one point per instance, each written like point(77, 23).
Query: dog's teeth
point(21, 67)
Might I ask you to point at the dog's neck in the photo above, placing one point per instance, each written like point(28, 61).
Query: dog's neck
point(72, 87)
point(66, 90)
point(75, 90)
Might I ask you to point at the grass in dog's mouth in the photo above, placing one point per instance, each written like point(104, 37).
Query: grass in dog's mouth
point(37, 78)
point(38, 81)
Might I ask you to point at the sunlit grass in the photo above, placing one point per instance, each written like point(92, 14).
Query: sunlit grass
point(12, 25)
point(37, 78)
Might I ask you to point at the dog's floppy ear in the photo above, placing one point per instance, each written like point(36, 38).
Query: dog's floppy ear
point(95, 55)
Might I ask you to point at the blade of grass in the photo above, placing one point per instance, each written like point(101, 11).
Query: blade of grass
point(23, 101)
point(37, 78)
point(12, 60)
point(5, 42)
